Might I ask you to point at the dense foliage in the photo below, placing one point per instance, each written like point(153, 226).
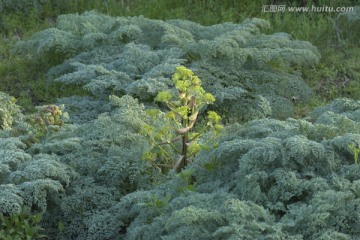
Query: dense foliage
point(335, 75)
point(292, 179)
point(136, 56)
point(79, 163)
point(268, 179)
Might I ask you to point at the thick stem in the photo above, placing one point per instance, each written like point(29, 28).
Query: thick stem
point(183, 152)
point(185, 136)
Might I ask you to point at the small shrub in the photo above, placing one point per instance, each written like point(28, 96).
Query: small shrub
point(22, 226)
point(356, 151)
point(184, 108)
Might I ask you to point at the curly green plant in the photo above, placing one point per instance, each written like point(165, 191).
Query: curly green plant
point(9, 111)
point(48, 117)
point(356, 151)
point(22, 226)
point(176, 130)
point(158, 203)
point(189, 180)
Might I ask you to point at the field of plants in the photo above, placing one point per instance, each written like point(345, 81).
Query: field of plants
point(179, 119)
